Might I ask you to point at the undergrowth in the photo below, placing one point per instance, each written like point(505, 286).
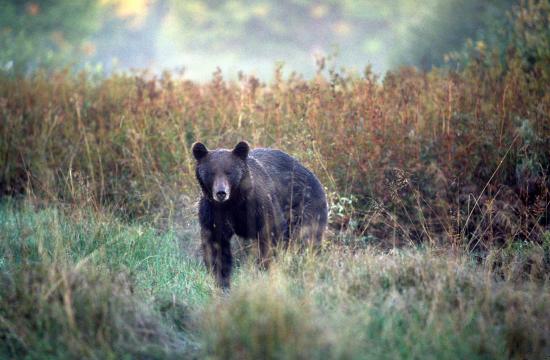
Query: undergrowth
point(78, 283)
point(438, 186)
point(454, 157)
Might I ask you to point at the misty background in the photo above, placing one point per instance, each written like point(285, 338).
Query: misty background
point(195, 37)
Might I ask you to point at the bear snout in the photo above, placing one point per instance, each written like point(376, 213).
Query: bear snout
point(220, 195)
point(221, 190)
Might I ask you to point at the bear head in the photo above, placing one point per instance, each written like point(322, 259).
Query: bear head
point(221, 172)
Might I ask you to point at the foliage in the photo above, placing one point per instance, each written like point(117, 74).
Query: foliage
point(443, 157)
point(522, 33)
point(449, 26)
point(45, 33)
point(98, 233)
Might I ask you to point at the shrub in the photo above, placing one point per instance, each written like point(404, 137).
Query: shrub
point(442, 157)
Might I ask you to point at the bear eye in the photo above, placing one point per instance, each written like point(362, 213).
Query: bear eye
point(205, 174)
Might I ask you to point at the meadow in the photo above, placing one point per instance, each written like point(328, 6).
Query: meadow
point(84, 285)
point(438, 186)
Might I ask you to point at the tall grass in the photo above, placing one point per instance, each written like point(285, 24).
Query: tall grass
point(445, 157)
point(98, 252)
point(81, 284)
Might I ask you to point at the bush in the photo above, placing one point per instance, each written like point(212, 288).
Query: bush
point(442, 157)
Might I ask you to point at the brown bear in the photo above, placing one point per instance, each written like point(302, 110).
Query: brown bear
point(260, 194)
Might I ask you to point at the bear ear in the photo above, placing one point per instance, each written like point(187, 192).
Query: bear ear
point(199, 150)
point(241, 150)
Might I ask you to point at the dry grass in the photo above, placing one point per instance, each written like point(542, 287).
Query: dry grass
point(99, 258)
point(447, 157)
point(82, 284)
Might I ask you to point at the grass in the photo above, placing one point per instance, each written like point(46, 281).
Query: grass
point(78, 283)
point(456, 158)
point(438, 185)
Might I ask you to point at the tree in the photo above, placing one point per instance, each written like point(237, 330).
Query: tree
point(46, 33)
point(447, 28)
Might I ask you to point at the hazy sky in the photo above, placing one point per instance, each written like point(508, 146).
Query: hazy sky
point(171, 40)
point(253, 36)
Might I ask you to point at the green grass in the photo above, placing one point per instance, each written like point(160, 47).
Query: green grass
point(77, 283)
point(438, 185)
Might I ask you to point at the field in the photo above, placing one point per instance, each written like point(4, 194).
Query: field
point(438, 184)
point(86, 285)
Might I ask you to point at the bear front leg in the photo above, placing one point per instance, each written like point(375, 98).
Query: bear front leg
point(217, 256)
point(215, 243)
point(224, 264)
point(208, 251)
